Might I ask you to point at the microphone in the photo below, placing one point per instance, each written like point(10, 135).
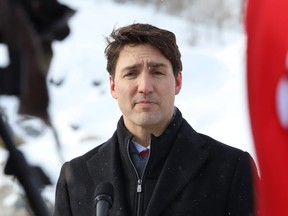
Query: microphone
point(104, 195)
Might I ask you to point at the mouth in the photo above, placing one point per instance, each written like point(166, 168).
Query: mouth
point(145, 103)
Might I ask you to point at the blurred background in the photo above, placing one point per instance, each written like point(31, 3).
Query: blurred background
point(76, 112)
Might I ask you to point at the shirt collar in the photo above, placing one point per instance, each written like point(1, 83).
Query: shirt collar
point(139, 147)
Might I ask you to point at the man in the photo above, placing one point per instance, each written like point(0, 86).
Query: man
point(184, 173)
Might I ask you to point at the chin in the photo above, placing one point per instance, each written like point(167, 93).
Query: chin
point(151, 121)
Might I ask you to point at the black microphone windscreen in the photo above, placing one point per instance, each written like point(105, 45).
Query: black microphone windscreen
point(106, 189)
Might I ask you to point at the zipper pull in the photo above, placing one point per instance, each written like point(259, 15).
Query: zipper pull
point(139, 186)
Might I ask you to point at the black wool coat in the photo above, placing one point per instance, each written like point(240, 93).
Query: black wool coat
point(187, 174)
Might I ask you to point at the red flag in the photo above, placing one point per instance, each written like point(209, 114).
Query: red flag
point(267, 78)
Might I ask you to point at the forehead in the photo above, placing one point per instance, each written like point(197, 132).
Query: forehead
point(131, 54)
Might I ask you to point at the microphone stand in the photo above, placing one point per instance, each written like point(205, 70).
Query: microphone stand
point(18, 166)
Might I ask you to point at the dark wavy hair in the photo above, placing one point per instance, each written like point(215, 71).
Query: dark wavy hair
point(138, 33)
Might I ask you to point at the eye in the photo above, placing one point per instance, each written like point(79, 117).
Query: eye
point(130, 74)
point(158, 73)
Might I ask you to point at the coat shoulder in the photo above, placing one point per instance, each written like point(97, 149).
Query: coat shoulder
point(216, 146)
point(82, 159)
point(227, 154)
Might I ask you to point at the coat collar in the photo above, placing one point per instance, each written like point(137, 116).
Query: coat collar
point(184, 160)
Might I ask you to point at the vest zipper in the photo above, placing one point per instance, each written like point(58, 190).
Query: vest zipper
point(139, 191)
point(139, 182)
point(139, 186)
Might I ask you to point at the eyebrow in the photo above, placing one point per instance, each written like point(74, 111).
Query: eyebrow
point(156, 65)
point(150, 65)
point(131, 67)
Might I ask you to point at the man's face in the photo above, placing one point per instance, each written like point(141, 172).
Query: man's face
point(145, 88)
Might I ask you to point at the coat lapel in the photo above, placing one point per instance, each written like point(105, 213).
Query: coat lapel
point(185, 159)
point(103, 167)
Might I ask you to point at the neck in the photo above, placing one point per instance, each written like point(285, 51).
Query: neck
point(142, 133)
point(143, 137)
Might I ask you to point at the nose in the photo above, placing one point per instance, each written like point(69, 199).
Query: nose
point(145, 83)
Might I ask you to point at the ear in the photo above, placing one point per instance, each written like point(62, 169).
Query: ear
point(112, 87)
point(178, 84)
